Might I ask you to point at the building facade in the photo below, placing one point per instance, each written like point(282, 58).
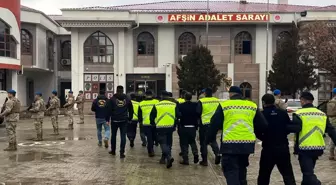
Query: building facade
point(138, 46)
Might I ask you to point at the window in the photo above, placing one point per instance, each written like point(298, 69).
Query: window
point(98, 48)
point(283, 36)
point(26, 43)
point(50, 42)
point(326, 86)
point(7, 42)
point(186, 42)
point(66, 50)
point(145, 44)
point(246, 89)
point(243, 43)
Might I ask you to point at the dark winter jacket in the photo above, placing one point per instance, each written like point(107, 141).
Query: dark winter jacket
point(101, 107)
point(121, 108)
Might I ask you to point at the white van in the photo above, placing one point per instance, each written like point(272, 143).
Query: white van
point(3, 96)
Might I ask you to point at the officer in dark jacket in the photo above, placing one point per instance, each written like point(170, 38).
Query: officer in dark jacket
point(101, 109)
point(275, 143)
point(240, 126)
point(187, 127)
point(121, 113)
point(309, 140)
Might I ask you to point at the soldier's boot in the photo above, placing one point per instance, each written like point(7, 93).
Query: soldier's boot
point(185, 161)
point(10, 147)
point(38, 138)
point(56, 131)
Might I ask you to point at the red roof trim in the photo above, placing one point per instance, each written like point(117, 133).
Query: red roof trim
point(10, 66)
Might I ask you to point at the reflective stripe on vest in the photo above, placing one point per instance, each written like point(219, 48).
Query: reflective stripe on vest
point(209, 107)
point(314, 124)
point(165, 117)
point(238, 121)
point(146, 107)
point(181, 100)
point(135, 109)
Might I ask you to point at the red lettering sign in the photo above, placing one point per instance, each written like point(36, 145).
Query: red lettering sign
point(218, 17)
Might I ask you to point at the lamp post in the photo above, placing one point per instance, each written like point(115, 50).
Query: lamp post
point(207, 25)
point(267, 38)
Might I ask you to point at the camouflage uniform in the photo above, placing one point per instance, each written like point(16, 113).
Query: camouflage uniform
point(11, 114)
point(331, 112)
point(69, 111)
point(80, 106)
point(38, 110)
point(54, 111)
point(280, 104)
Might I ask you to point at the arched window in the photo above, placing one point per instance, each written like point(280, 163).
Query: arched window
point(98, 48)
point(243, 43)
point(26, 42)
point(7, 42)
point(145, 44)
point(186, 42)
point(246, 89)
point(283, 36)
point(66, 50)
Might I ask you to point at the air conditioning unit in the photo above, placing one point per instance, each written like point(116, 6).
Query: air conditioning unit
point(183, 56)
point(65, 62)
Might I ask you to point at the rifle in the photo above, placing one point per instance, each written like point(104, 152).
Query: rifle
point(31, 106)
point(4, 106)
point(48, 103)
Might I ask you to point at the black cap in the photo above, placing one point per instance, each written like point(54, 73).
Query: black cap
point(235, 89)
point(307, 96)
point(165, 93)
point(149, 93)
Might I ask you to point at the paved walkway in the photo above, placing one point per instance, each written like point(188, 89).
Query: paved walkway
point(73, 157)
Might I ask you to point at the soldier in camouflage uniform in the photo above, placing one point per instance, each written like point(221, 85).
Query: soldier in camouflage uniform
point(331, 113)
point(38, 109)
point(69, 109)
point(278, 101)
point(11, 114)
point(54, 110)
point(80, 106)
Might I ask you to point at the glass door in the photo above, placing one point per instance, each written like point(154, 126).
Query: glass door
point(142, 86)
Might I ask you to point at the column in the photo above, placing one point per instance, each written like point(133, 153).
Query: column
point(169, 78)
point(121, 59)
point(315, 92)
point(76, 81)
point(230, 72)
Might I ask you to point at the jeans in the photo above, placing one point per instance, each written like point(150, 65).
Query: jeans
point(188, 137)
point(281, 158)
point(307, 164)
point(131, 130)
point(100, 122)
point(149, 132)
point(234, 168)
point(122, 125)
point(165, 140)
point(204, 147)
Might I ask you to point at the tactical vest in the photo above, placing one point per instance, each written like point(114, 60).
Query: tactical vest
point(146, 107)
point(209, 107)
point(17, 106)
point(181, 100)
point(238, 121)
point(135, 109)
point(314, 124)
point(165, 117)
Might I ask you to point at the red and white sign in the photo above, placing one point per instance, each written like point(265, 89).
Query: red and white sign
point(218, 17)
point(160, 18)
point(277, 18)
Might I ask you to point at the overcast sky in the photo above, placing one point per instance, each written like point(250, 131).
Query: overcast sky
point(53, 6)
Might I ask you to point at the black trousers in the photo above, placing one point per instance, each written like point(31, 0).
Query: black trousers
point(142, 135)
point(307, 164)
point(114, 129)
point(179, 134)
point(234, 167)
point(188, 137)
point(279, 157)
point(204, 147)
point(165, 139)
point(131, 130)
point(149, 132)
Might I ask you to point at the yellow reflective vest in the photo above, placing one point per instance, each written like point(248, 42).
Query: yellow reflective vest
point(238, 121)
point(165, 117)
point(209, 107)
point(135, 109)
point(181, 100)
point(146, 107)
point(314, 124)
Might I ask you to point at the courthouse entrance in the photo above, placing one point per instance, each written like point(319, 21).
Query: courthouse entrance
point(140, 83)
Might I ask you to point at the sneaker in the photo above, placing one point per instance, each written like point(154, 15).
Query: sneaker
point(112, 153)
point(204, 163)
point(217, 159)
point(184, 162)
point(100, 143)
point(144, 144)
point(122, 156)
point(170, 162)
point(151, 154)
point(106, 143)
point(131, 143)
point(162, 160)
point(196, 159)
point(180, 154)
